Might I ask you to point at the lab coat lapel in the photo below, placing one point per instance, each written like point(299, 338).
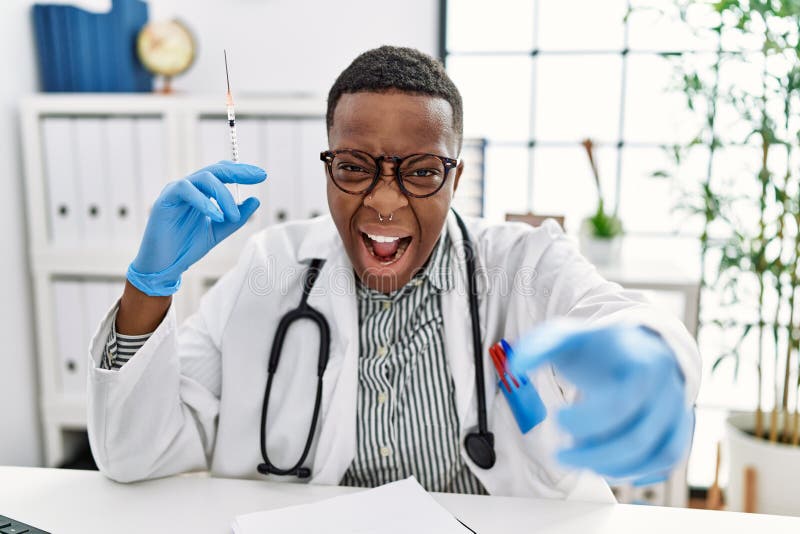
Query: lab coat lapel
point(334, 296)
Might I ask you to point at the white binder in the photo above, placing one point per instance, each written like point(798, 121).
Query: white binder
point(90, 155)
point(283, 185)
point(250, 151)
point(72, 340)
point(151, 159)
point(313, 140)
point(62, 188)
point(262, 191)
point(122, 171)
point(114, 289)
point(213, 141)
point(98, 299)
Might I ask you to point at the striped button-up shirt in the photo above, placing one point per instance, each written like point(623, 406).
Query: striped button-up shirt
point(407, 422)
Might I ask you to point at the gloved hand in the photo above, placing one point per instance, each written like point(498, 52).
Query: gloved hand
point(631, 421)
point(184, 224)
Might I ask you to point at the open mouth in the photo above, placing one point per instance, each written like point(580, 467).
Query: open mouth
point(386, 249)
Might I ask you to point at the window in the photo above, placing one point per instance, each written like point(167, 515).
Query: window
point(538, 76)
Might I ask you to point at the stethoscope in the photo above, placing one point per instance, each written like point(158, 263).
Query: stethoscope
point(479, 444)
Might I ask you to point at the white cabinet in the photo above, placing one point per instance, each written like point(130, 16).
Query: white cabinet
point(94, 164)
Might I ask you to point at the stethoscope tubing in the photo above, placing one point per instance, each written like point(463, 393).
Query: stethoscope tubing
point(479, 445)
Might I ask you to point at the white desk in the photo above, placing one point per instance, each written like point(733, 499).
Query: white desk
point(84, 502)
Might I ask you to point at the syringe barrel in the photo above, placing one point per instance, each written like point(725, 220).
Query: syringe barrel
point(234, 144)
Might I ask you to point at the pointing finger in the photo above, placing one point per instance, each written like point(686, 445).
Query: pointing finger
point(552, 342)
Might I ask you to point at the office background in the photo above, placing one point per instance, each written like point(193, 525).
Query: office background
point(311, 56)
point(537, 78)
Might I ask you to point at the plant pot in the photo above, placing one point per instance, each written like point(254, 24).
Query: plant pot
point(777, 466)
point(598, 250)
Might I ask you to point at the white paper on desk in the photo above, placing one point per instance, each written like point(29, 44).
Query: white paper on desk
point(399, 507)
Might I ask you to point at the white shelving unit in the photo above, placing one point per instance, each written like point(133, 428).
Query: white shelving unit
point(181, 121)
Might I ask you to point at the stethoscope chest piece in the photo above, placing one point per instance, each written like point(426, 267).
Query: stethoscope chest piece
point(480, 449)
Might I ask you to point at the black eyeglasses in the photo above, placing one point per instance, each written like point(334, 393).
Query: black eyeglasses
point(356, 172)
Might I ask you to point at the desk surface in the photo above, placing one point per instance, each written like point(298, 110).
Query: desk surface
point(72, 502)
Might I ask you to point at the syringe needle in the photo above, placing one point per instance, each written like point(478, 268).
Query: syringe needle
point(227, 77)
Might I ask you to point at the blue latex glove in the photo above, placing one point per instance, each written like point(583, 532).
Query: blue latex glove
point(631, 421)
point(184, 224)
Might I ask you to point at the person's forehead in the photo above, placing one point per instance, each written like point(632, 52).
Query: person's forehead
point(393, 121)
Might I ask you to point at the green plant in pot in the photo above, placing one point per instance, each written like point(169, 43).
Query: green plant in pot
point(750, 238)
point(601, 233)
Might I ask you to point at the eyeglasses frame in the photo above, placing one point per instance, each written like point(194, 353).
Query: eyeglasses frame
point(327, 157)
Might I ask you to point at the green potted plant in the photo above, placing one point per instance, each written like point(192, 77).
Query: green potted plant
point(750, 239)
point(600, 234)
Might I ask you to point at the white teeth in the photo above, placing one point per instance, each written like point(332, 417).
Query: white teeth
point(382, 238)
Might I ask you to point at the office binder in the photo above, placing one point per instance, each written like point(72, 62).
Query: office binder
point(263, 190)
point(92, 173)
point(151, 161)
point(42, 27)
point(283, 184)
point(125, 209)
point(97, 300)
point(213, 141)
point(71, 335)
point(250, 145)
point(62, 186)
point(60, 60)
point(313, 140)
point(103, 40)
point(114, 289)
point(127, 19)
point(91, 52)
point(84, 58)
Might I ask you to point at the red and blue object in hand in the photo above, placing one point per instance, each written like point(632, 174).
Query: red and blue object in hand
point(524, 401)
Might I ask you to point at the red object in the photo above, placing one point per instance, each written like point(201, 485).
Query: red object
point(501, 365)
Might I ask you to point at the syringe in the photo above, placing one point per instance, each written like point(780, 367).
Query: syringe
point(232, 125)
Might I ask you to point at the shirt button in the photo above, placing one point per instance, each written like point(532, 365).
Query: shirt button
point(418, 282)
point(383, 350)
point(381, 398)
point(387, 304)
point(385, 451)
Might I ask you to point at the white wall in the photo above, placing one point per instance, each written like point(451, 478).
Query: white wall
point(293, 45)
point(273, 46)
point(19, 414)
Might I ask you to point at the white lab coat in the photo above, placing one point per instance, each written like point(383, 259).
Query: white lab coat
point(191, 397)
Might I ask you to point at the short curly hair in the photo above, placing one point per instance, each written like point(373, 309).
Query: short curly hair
point(404, 69)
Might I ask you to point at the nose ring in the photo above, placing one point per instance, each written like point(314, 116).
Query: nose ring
point(381, 219)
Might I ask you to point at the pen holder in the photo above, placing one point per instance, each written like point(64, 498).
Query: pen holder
point(522, 397)
point(525, 404)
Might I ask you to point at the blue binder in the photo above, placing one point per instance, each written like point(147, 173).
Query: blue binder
point(80, 51)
